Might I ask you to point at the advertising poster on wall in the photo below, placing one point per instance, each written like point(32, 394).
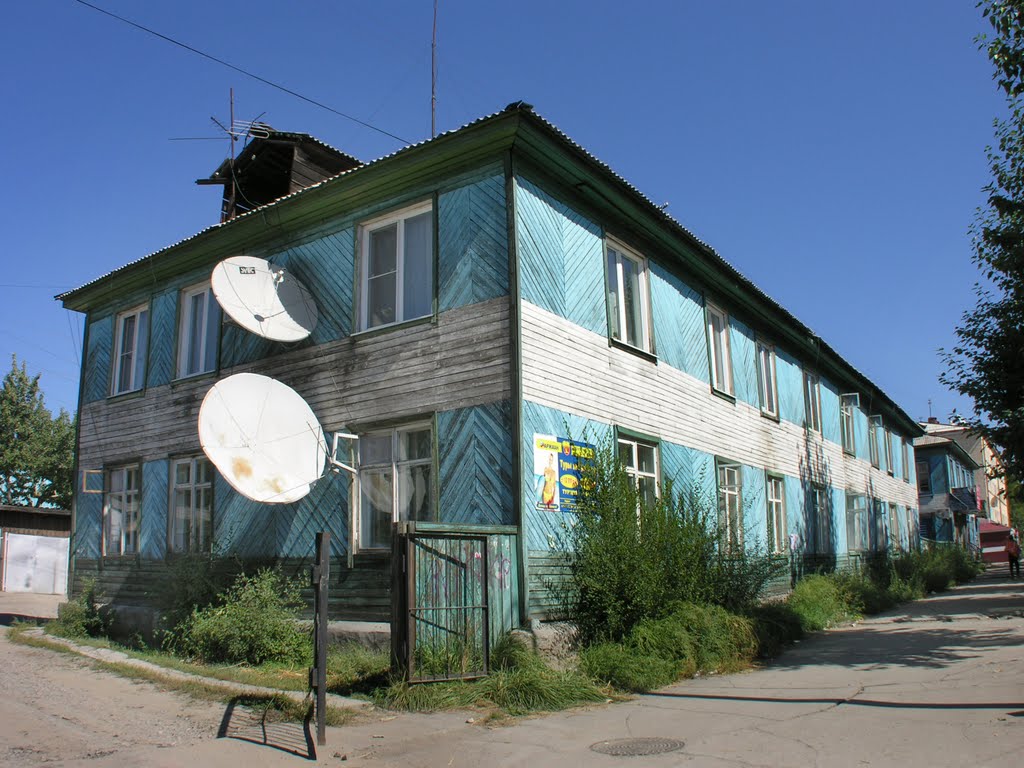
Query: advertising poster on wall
point(557, 465)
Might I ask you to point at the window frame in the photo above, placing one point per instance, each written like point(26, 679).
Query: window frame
point(397, 217)
point(730, 523)
point(137, 357)
point(394, 466)
point(858, 534)
point(874, 422)
point(812, 401)
point(887, 436)
point(726, 387)
point(778, 540)
point(211, 320)
point(821, 507)
point(924, 479)
point(906, 460)
point(634, 442)
point(618, 319)
point(895, 542)
point(126, 493)
point(191, 546)
point(848, 405)
point(767, 387)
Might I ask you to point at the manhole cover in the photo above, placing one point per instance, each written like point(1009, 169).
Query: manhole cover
point(636, 747)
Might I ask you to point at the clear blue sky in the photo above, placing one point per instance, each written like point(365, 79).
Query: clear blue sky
point(833, 152)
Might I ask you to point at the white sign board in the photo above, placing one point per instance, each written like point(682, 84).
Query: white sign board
point(36, 564)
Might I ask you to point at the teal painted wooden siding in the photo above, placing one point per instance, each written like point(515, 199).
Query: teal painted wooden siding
point(153, 517)
point(744, 362)
point(678, 320)
point(830, 428)
point(690, 472)
point(475, 465)
point(755, 508)
point(241, 526)
point(88, 525)
point(789, 376)
point(326, 267)
point(472, 244)
point(163, 317)
point(545, 531)
point(502, 585)
point(794, 494)
point(96, 385)
point(561, 257)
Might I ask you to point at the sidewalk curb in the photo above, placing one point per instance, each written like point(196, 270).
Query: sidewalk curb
point(118, 657)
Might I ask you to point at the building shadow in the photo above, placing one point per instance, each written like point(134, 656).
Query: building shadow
point(852, 702)
point(253, 720)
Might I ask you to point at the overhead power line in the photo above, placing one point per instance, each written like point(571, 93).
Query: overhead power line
point(245, 72)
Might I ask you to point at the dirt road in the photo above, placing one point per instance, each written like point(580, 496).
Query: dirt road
point(937, 683)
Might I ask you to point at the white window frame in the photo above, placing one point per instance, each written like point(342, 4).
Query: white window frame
point(895, 542)
point(199, 536)
point(880, 537)
point(775, 495)
point(906, 460)
point(812, 401)
point(366, 229)
point(729, 476)
point(721, 380)
point(767, 382)
point(619, 320)
point(874, 422)
point(924, 478)
point(209, 324)
point(130, 505)
point(394, 468)
point(887, 436)
point(134, 358)
point(632, 463)
point(848, 422)
point(858, 537)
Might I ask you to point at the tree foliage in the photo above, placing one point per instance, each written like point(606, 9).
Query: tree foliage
point(36, 448)
point(987, 361)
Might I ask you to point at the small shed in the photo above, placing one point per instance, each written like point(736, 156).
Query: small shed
point(993, 541)
point(34, 549)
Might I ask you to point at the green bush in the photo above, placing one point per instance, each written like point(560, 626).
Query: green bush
point(631, 558)
point(819, 601)
point(776, 625)
point(193, 581)
point(628, 669)
point(83, 616)
point(253, 623)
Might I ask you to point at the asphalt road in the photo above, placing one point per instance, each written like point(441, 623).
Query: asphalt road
point(937, 683)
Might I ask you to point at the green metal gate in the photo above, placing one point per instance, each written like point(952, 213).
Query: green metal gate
point(441, 629)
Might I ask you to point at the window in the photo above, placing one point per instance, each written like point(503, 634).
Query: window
point(812, 402)
point(191, 505)
point(856, 522)
point(906, 460)
point(718, 349)
point(198, 331)
point(730, 505)
point(627, 298)
point(894, 526)
point(776, 514)
point(820, 519)
point(924, 478)
point(121, 512)
point(847, 414)
point(131, 334)
point(397, 274)
point(640, 460)
point(766, 379)
point(887, 437)
point(879, 537)
point(396, 481)
point(874, 422)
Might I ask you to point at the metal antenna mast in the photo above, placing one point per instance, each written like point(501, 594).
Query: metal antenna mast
point(433, 77)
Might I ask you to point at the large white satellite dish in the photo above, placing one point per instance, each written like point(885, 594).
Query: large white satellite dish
point(263, 438)
point(264, 299)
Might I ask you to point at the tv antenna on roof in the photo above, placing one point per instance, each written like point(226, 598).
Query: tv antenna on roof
point(264, 438)
point(264, 299)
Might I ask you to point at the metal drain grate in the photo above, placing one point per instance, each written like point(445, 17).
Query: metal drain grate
point(636, 747)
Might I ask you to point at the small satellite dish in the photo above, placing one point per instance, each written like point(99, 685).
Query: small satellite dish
point(264, 299)
point(263, 438)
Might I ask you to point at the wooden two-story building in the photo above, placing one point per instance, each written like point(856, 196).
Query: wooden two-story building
point(483, 297)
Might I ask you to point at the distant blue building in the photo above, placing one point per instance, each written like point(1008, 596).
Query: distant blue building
point(947, 493)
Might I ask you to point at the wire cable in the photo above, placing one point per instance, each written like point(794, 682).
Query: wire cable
point(245, 72)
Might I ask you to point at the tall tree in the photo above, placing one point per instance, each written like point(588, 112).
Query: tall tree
point(987, 362)
point(36, 448)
